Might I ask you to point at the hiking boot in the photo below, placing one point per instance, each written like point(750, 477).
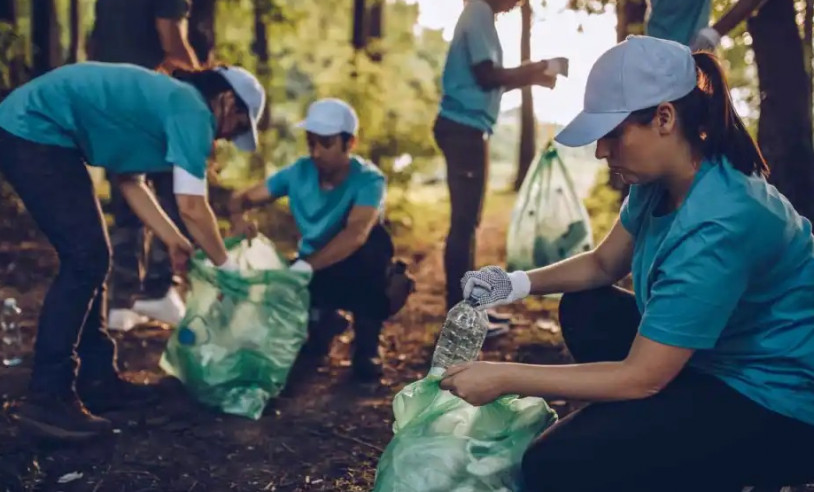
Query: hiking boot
point(114, 393)
point(64, 418)
point(366, 369)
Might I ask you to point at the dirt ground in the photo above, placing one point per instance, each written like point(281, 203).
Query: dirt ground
point(325, 433)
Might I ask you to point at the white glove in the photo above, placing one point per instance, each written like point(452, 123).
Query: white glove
point(491, 286)
point(301, 266)
point(707, 39)
point(230, 265)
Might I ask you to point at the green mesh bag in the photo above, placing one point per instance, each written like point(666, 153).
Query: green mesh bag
point(242, 330)
point(443, 444)
point(549, 222)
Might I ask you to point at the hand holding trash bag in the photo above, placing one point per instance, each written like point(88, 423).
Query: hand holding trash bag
point(477, 383)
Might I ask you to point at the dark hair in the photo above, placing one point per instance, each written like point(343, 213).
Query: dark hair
point(709, 121)
point(210, 83)
point(344, 136)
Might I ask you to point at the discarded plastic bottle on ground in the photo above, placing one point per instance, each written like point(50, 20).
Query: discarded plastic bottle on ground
point(12, 340)
point(461, 337)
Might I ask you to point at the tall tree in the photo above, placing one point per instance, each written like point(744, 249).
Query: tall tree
point(44, 36)
point(375, 29)
point(785, 126)
point(527, 123)
point(359, 36)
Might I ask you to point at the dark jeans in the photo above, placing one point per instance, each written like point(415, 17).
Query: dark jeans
point(139, 269)
point(357, 284)
point(696, 434)
point(466, 151)
point(57, 191)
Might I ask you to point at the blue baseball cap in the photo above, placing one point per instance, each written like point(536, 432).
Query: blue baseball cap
point(251, 92)
point(638, 73)
point(330, 116)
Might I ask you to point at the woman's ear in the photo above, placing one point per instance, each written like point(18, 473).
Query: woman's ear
point(666, 118)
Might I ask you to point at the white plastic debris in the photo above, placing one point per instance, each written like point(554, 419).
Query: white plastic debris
point(69, 477)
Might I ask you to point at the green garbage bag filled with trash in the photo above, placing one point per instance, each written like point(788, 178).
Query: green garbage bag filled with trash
point(549, 221)
point(242, 330)
point(443, 444)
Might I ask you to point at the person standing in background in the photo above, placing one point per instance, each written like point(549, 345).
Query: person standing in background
point(474, 80)
point(152, 34)
point(687, 21)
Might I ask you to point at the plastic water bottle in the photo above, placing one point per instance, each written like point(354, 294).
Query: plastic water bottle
point(461, 337)
point(12, 340)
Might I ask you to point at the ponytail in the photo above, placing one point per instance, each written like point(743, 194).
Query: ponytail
point(709, 121)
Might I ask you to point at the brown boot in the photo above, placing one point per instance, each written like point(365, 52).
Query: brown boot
point(59, 417)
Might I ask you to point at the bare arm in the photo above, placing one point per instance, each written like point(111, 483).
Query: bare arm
point(202, 226)
point(174, 40)
point(360, 221)
point(491, 77)
point(648, 368)
point(606, 264)
point(737, 14)
point(250, 198)
point(145, 206)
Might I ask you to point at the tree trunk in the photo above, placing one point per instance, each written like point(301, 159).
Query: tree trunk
point(527, 123)
point(76, 35)
point(784, 128)
point(44, 36)
point(202, 30)
point(260, 47)
point(375, 29)
point(808, 47)
point(359, 39)
point(8, 13)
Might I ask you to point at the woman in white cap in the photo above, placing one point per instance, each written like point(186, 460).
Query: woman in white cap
point(129, 120)
point(704, 378)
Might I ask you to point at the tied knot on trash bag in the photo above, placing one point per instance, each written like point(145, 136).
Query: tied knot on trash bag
point(443, 444)
point(242, 330)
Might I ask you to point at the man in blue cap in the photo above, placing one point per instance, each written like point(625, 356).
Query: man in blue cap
point(337, 200)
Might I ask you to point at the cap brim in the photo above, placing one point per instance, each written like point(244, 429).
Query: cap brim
point(587, 128)
point(247, 142)
point(318, 128)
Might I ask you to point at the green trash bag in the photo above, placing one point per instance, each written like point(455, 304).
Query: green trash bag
point(549, 221)
point(443, 444)
point(242, 330)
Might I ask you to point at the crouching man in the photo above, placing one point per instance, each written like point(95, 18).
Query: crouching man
point(337, 201)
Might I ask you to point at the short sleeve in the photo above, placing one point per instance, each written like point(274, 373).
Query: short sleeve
point(699, 284)
point(371, 193)
point(279, 183)
point(172, 9)
point(189, 141)
point(482, 42)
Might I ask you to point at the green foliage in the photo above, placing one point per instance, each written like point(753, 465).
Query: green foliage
point(602, 205)
point(12, 51)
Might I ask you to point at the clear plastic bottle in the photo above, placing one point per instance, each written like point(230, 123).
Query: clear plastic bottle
point(461, 337)
point(12, 339)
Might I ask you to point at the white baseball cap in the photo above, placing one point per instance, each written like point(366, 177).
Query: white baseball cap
point(249, 90)
point(638, 73)
point(330, 116)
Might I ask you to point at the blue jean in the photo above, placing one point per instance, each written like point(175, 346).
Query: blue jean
point(57, 191)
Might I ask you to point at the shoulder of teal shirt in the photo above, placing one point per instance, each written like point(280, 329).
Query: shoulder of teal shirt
point(677, 21)
point(369, 182)
point(282, 181)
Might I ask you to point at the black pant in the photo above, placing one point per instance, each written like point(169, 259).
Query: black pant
point(357, 284)
point(57, 191)
point(139, 270)
point(697, 434)
point(466, 151)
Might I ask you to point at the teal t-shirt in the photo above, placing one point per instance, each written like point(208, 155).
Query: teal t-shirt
point(122, 117)
point(320, 213)
point(731, 275)
point(677, 20)
point(475, 40)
